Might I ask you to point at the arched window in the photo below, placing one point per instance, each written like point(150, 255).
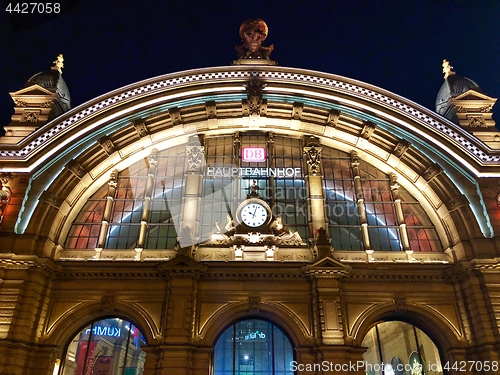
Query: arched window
point(144, 205)
point(253, 346)
point(398, 348)
point(109, 346)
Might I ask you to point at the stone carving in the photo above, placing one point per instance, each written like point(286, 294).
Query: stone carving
point(368, 130)
point(476, 122)
point(20, 103)
point(313, 159)
point(107, 145)
point(297, 110)
point(58, 63)
point(432, 172)
point(447, 69)
point(140, 128)
point(76, 168)
point(195, 158)
point(254, 104)
point(30, 116)
point(254, 303)
point(211, 109)
point(175, 116)
point(253, 32)
point(401, 148)
point(108, 303)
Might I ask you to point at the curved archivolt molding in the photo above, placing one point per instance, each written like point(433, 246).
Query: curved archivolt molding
point(221, 83)
point(390, 132)
point(289, 323)
point(441, 330)
point(64, 329)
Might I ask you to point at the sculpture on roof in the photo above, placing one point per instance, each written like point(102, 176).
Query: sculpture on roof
point(253, 32)
point(58, 63)
point(447, 69)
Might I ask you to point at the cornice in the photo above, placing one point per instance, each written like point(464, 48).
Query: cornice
point(200, 83)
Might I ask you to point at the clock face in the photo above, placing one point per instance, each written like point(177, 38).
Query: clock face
point(254, 214)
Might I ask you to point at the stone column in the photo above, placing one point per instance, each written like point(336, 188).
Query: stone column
point(399, 213)
point(148, 195)
point(106, 217)
point(318, 223)
point(191, 204)
point(360, 201)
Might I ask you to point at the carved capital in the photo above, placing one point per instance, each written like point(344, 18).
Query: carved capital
point(313, 156)
point(195, 158)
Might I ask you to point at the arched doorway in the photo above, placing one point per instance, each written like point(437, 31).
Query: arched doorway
point(108, 346)
point(253, 347)
point(399, 348)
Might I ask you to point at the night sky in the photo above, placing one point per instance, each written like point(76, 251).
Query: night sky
point(396, 45)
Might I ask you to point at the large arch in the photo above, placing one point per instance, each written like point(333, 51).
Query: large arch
point(71, 156)
point(445, 335)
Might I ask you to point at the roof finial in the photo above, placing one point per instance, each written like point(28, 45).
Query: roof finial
point(58, 63)
point(447, 69)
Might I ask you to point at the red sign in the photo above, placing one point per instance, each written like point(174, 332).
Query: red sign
point(253, 154)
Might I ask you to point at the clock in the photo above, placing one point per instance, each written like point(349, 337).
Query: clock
point(254, 213)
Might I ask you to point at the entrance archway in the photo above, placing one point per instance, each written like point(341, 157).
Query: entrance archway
point(108, 346)
point(399, 348)
point(253, 347)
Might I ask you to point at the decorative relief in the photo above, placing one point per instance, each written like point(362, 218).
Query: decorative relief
point(175, 116)
point(112, 183)
point(401, 148)
point(20, 103)
point(476, 121)
point(368, 130)
point(211, 109)
point(399, 304)
point(30, 116)
point(333, 117)
point(456, 202)
point(254, 303)
point(51, 199)
point(195, 158)
point(487, 108)
point(255, 103)
point(432, 172)
point(312, 151)
point(107, 145)
point(297, 110)
point(140, 128)
point(47, 104)
point(76, 168)
point(108, 303)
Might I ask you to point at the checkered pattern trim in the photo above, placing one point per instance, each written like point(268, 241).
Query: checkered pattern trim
point(79, 117)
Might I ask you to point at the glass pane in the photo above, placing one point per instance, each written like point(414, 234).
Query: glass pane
point(402, 348)
point(109, 346)
point(253, 347)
